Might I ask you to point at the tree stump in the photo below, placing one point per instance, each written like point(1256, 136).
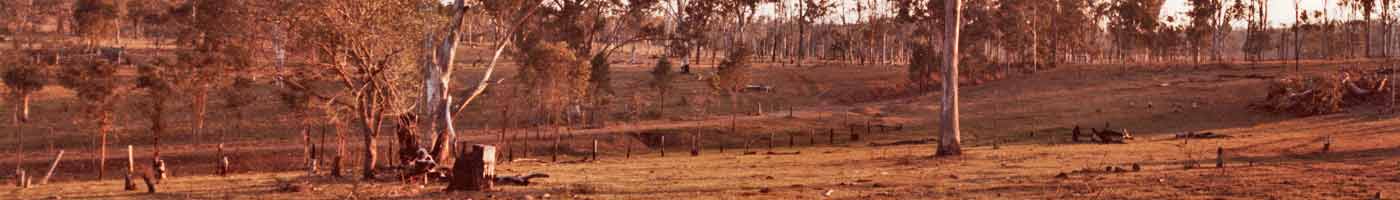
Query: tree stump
point(159, 167)
point(224, 166)
point(130, 184)
point(150, 185)
point(474, 171)
point(20, 182)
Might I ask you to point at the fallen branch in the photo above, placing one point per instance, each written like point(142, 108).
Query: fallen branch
point(904, 142)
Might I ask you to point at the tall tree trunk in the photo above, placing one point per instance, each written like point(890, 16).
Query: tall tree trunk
point(200, 104)
point(949, 143)
point(104, 123)
point(447, 52)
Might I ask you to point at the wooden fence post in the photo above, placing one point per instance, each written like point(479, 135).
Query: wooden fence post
point(130, 166)
point(662, 146)
point(1219, 157)
point(554, 151)
point(695, 145)
point(510, 149)
point(474, 172)
point(792, 140)
point(831, 135)
point(770, 142)
point(52, 167)
point(595, 149)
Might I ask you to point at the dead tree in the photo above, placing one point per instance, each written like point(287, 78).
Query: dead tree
point(474, 171)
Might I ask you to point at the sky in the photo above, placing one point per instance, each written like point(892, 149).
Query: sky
point(1280, 11)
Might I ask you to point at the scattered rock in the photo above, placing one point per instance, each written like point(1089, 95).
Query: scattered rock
point(1136, 167)
point(765, 190)
point(953, 176)
point(828, 193)
point(863, 181)
point(877, 185)
point(545, 196)
point(767, 177)
point(1062, 175)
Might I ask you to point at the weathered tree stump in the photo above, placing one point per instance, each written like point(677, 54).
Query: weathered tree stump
point(20, 178)
point(629, 149)
point(474, 171)
point(52, 166)
point(130, 184)
point(150, 185)
point(160, 169)
point(224, 166)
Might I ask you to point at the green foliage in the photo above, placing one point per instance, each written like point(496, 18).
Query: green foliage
point(600, 76)
point(922, 67)
point(1133, 22)
point(553, 75)
point(239, 94)
point(95, 82)
point(733, 74)
point(95, 18)
point(25, 79)
point(661, 75)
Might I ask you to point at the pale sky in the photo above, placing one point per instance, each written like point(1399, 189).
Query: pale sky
point(1280, 11)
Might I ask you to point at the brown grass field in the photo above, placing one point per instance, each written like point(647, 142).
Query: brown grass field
point(1015, 134)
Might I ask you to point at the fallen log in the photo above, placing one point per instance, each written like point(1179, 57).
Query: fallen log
point(903, 142)
point(520, 180)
